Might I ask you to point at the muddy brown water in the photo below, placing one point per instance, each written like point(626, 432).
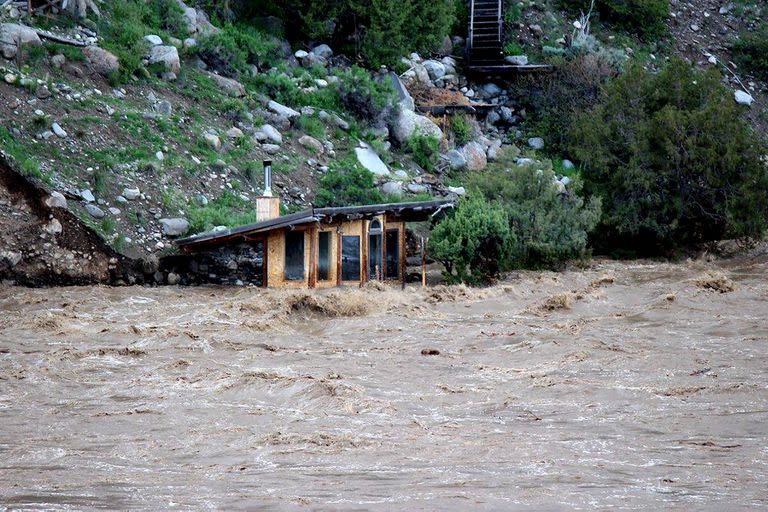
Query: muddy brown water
point(624, 386)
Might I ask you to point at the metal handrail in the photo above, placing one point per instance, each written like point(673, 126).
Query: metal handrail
point(472, 24)
point(499, 20)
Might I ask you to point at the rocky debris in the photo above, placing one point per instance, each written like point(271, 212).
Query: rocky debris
point(100, 60)
point(56, 200)
point(409, 123)
point(12, 34)
point(53, 227)
point(312, 144)
point(743, 98)
point(282, 110)
point(94, 211)
point(475, 156)
point(371, 161)
point(163, 107)
point(174, 227)
point(536, 143)
point(167, 56)
point(10, 258)
point(153, 40)
point(230, 86)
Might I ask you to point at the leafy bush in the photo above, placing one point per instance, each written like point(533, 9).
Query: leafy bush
point(462, 130)
point(349, 186)
point(472, 242)
point(672, 160)
point(751, 51)
point(644, 17)
point(364, 97)
point(226, 210)
point(235, 47)
point(311, 126)
point(548, 227)
point(425, 149)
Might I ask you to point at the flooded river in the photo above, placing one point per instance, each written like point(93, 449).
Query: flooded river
point(625, 386)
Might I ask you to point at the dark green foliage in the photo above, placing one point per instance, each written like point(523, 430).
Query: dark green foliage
point(643, 17)
point(364, 97)
point(380, 30)
point(473, 241)
point(462, 130)
point(549, 228)
point(235, 47)
point(672, 160)
point(311, 126)
point(226, 210)
point(352, 185)
point(425, 149)
point(751, 51)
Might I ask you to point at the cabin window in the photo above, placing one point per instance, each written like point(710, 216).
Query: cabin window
point(393, 254)
point(294, 256)
point(350, 258)
point(324, 255)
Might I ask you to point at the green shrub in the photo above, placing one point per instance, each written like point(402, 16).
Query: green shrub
point(473, 241)
point(226, 210)
point(751, 51)
point(643, 17)
point(672, 160)
point(348, 186)
point(425, 149)
point(365, 98)
point(311, 126)
point(235, 47)
point(462, 130)
point(548, 227)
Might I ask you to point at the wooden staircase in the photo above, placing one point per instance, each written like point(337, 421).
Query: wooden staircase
point(484, 46)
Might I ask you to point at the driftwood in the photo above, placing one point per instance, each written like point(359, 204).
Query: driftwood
point(59, 39)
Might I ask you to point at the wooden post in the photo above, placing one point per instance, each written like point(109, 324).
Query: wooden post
point(312, 278)
point(423, 264)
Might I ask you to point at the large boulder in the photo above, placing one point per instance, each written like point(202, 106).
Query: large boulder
point(435, 69)
point(456, 159)
point(393, 188)
point(474, 153)
point(271, 134)
point(174, 227)
point(282, 110)
point(409, 123)
point(230, 86)
point(168, 56)
point(101, 61)
point(323, 50)
point(371, 161)
point(12, 34)
point(312, 144)
point(743, 98)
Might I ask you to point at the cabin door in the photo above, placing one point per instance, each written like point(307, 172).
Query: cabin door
point(375, 250)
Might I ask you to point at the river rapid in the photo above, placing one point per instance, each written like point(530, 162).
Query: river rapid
point(627, 386)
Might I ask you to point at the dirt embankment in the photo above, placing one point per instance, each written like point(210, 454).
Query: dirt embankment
point(42, 243)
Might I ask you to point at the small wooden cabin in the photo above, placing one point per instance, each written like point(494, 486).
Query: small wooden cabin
point(315, 248)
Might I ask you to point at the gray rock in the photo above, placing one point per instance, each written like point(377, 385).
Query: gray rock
point(536, 143)
point(168, 56)
point(43, 92)
point(234, 133)
point(59, 131)
point(200, 200)
point(507, 115)
point(435, 69)
point(121, 199)
point(231, 87)
point(409, 123)
point(58, 60)
point(524, 161)
point(131, 194)
point(474, 153)
point(173, 279)
point(282, 110)
point(54, 226)
point(114, 211)
point(271, 133)
point(12, 258)
point(322, 50)
point(312, 144)
point(87, 196)
point(163, 107)
point(56, 200)
point(271, 149)
point(517, 60)
point(212, 140)
point(459, 191)
point(301, 54)
point(153, 40)
point(568, 165)
point(401, 174)
point(190, 42)
point(394, 188)
point(743, 98)
point(102, 61)
point(415, 188)
point(94, 211)
point(371, 161)
point(456, 159)
point(12, 34)
point(174, 227)
point(491, 90)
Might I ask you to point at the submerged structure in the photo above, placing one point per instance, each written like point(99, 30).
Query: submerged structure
point(314, 248)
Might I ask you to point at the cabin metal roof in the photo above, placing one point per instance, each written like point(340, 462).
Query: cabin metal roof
point(415, 211)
